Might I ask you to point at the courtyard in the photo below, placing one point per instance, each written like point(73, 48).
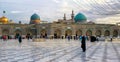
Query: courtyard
point(58, 50)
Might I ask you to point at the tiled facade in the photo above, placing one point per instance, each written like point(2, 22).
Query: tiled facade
point(60, 29)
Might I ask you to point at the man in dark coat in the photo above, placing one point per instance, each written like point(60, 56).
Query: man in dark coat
point(83, 44)
point(19, 38)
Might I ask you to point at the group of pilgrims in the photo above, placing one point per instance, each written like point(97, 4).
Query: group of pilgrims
point(83, 40)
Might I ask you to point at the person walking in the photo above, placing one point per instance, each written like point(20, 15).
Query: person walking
point(20, 39)
point(4, 37)
point(83, 44)
point(68, 38)
point(111, 39)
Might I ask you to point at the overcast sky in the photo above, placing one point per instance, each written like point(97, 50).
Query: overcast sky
point(99, 11)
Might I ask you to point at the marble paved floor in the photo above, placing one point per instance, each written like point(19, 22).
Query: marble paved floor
point(58, 50)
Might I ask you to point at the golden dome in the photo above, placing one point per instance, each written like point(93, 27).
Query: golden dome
point(4, 20)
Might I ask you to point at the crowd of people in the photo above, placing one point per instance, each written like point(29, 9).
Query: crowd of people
point(81, 38)
point(5, 37)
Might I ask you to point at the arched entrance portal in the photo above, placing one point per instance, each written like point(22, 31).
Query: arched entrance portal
point(5, 32)
point(78, 32)
point(107, 33)
point(17, 33)
point(98, 33)
point(57, 33)
point(28, 35)
point(43, 33)
point(68, 32)
point(115, 33)
point(88, 33)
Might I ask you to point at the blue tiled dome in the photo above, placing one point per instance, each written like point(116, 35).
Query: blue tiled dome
point(35, 17)
point(80, 18)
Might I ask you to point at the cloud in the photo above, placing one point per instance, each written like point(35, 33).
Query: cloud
point(16, 12)
point(56, 1)
point(99, 11)
point(109, 20)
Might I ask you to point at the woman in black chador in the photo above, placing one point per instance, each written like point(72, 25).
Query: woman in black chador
point(83, 44)
point(20, 39)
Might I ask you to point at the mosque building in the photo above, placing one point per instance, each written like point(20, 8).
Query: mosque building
point(76, 26)
point(35, 19)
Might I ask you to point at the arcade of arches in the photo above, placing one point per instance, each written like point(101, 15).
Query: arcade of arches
point(5, 32)
point(43, 33)
point(78, 32)
point(57, 33)
point(53, 30)
point(107, 33)
point(89, 33)
point(98, 33)
point(68, 32)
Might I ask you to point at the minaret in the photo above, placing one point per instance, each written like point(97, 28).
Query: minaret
point(64, 18)
point(72, 16)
